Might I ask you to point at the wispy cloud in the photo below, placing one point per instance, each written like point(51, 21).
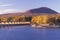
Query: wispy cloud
point(3, 5)
point(9, 11)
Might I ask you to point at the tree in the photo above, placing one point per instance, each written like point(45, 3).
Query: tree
point(52, 20)
point(58, 21)
point(0, 20)
point(28, 18)
point(9, 19)
point(20, 20)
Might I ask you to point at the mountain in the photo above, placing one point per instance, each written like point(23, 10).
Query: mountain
point(36, 11)
point(43, 10)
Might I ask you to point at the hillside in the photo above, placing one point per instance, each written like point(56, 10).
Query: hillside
point(42, 10)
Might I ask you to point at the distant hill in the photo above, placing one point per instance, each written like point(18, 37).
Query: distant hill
point(32, 12)
point(43, 10)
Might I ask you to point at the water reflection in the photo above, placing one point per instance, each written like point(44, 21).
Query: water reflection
point(26, 32)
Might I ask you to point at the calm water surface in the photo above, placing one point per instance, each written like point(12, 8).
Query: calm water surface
point(26, 32)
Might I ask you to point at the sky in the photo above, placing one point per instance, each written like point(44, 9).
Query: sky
point(11, 6)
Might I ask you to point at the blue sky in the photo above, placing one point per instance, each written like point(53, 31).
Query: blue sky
point(7, 6)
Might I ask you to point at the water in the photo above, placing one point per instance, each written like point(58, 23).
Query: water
point(26, 32)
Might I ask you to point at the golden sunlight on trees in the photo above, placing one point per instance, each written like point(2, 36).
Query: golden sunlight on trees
point(4, 19)
point(39, 19)
point(15, 18)
point(23, 18)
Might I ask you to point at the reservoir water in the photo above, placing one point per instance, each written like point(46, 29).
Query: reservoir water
point(26, 32)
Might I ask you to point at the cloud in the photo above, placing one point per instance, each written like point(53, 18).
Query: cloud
point(9, 11)
point(3, 5)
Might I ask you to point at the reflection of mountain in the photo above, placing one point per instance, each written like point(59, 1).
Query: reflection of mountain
point(43, 10)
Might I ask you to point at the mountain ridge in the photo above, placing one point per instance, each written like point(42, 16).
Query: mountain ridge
point(43, 10)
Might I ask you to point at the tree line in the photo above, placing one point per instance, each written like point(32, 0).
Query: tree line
point(53, 20)
point(16, 19)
